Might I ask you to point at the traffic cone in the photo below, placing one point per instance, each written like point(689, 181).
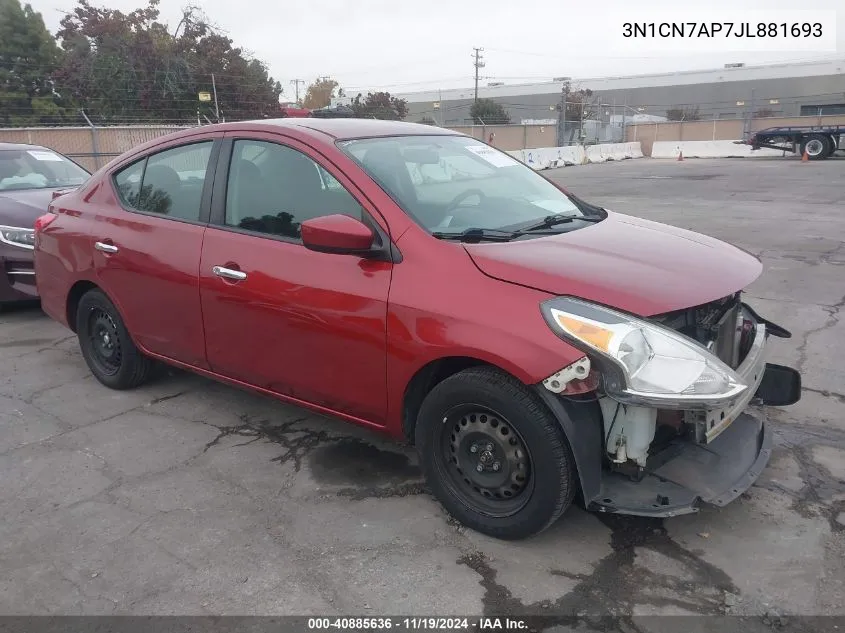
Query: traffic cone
point(805, 156)
point(680, 155)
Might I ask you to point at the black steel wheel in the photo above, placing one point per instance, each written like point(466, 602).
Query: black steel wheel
point(494, 455)
point(106, 345)
point(485, 460)
point(104, 341)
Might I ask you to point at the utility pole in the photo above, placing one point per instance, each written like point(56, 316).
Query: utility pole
point(296, 83)
point(561, 115)
point(216, 107)
point(479, 64)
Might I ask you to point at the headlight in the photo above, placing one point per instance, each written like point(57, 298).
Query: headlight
point(17, 236)
point(642, 362)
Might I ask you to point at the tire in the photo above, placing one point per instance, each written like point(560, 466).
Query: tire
point(460, 420)
point(817, 146)
point(106, 345)
point(833, 148)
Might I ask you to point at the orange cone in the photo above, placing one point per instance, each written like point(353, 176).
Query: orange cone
point(680, 155)
point(805, 157)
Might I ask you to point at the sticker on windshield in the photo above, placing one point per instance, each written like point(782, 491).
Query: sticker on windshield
point(40, 155)
point(492, 156)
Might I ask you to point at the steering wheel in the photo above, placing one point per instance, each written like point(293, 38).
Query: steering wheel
point(457, 200)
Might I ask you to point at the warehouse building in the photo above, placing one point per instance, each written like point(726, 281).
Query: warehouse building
point(734, 91)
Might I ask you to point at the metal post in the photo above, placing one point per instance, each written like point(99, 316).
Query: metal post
point(561, 117)
point(624, 112)
point(216, 107)
point(95, 140)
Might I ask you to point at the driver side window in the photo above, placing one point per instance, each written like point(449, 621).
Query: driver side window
point(273, 188)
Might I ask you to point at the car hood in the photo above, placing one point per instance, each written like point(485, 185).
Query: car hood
point(23, 207)
point(635, 265)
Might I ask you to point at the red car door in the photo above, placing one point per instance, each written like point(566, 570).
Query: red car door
point(147, 238)
point(310, 326)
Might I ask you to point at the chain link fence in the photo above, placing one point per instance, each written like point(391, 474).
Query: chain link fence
point(91, 146)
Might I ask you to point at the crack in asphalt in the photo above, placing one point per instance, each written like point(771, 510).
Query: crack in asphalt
point(832, 320)
point(818, 495)
point(827, 394)
point(333, 459)
point(616, 585)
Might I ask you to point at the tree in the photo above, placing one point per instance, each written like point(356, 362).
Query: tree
point(380, 105)
point(28, 57)
point(319, 94)
point(128, 66)
point(687, 113)
point(579, 104)
point(488, 112)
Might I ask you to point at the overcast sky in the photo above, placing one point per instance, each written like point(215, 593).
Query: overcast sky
point(406, 46)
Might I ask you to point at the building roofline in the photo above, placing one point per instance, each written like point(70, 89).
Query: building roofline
point(782, 70)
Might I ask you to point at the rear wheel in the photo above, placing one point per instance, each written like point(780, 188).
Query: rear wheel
point(106, 345)
point(493, 454)
point(817, 146)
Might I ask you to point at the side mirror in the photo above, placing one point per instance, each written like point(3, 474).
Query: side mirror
point(339, 234)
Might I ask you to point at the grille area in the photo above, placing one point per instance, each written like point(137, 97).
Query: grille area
point(719, 326)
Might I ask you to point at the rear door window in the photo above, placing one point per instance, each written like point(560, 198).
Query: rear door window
point(167, 183)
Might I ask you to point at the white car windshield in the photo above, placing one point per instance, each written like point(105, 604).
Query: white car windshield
point(449, 184)
point(38, 168)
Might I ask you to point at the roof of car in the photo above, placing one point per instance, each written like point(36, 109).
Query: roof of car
point(342, 129)
point(8, 146)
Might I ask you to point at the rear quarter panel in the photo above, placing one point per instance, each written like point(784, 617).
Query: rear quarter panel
point(63, 254)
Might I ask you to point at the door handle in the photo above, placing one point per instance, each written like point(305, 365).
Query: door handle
point(106, 248)
point(228, 273)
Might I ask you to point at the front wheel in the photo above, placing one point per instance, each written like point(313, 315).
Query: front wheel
point(106, 345)
point(493, 454)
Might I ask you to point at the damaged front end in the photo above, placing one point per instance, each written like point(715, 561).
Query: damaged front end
point(671, 394)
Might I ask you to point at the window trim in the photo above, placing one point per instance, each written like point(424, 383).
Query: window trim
point(217, 218)
point(207, 186)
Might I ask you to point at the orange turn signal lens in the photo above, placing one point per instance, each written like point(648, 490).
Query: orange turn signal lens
point(596, 336)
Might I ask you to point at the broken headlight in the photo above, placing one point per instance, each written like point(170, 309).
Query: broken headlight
point(642, 362)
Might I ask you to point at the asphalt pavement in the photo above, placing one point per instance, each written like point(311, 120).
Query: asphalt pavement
point(191, 497)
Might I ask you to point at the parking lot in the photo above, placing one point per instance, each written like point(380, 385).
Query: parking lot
point(190, 497)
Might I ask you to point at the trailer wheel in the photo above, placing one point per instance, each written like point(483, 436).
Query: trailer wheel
point(817, 146)
point(832, 148)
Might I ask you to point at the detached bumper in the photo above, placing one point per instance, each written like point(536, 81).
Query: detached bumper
point(685, 474)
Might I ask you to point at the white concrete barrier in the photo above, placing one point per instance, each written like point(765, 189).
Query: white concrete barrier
point(550, 157)
point(709, 149)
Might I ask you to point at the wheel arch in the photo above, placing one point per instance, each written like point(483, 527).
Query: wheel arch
point(580, 418)
point(76, 292)
point(427, 378)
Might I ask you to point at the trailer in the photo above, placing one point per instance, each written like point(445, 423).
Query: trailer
point(818, 141)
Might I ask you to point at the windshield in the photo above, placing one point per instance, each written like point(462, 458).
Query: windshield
point(449, 184)
point(38, 168)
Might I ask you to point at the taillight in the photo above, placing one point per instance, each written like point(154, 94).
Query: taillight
point(44, 221)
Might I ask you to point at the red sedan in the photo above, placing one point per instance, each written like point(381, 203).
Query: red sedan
point(423, 284)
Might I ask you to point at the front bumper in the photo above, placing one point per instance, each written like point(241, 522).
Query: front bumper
point(17, 274)
point(684, 474)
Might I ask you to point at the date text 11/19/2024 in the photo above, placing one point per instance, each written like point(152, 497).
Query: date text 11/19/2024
point(418, 624)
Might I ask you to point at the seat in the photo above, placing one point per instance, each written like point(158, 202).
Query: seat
point(302, 188)
point(250, 195)
point(387, 165)
point(160, 191)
